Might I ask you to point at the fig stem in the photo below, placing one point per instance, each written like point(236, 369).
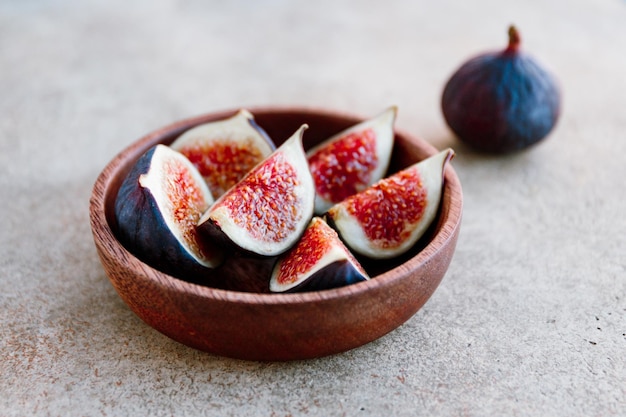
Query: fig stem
point(514, 39)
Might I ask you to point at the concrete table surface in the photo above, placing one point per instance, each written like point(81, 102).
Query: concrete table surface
point(531, 317)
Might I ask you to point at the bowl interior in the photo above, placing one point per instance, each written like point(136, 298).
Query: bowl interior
point(280, 124)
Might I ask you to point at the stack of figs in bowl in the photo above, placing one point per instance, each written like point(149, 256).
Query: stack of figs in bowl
point(277, 233)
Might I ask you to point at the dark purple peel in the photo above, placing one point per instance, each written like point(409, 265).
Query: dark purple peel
point(502, 101)
point(225, 150)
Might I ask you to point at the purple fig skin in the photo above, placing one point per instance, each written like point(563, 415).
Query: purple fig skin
point(142, 229)
point(244, 274)
point(501, 102)
point(211, 231)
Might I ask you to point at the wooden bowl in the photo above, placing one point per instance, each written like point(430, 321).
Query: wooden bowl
point(263, 326)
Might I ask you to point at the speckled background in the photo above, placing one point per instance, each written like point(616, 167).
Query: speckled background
point(531, 317)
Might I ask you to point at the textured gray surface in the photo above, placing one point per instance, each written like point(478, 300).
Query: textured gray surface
point(529, 320)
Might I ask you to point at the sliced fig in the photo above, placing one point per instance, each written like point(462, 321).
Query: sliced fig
point(319, 261)
point(225, 150)
point(267, 211)
point(388, 218)
point(351, 160)
point(157, 208)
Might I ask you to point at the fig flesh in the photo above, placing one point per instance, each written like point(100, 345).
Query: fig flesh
point(388, 218)
point(225, 150)
point(351, 160)
point(502, 101)
point(157, 208)
point(319, 261)
point(267, 211)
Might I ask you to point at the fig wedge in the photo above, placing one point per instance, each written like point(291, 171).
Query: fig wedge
point(388, 218)
point(225, 150)
point(351, 160)
point(267, 211)
point(319, 261)
point(157, 208)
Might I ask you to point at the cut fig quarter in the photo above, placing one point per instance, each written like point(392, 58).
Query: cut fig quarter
point(267, 211)
point(388, 218)
point(157, 208)
point(352, 160)
point(225, 150)
point(319, 261)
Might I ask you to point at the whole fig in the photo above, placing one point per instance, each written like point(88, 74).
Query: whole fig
point(501, 101)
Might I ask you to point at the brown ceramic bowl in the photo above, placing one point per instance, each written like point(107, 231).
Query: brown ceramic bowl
point(256, 325)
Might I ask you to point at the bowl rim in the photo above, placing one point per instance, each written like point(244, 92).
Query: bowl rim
point(102, 185)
